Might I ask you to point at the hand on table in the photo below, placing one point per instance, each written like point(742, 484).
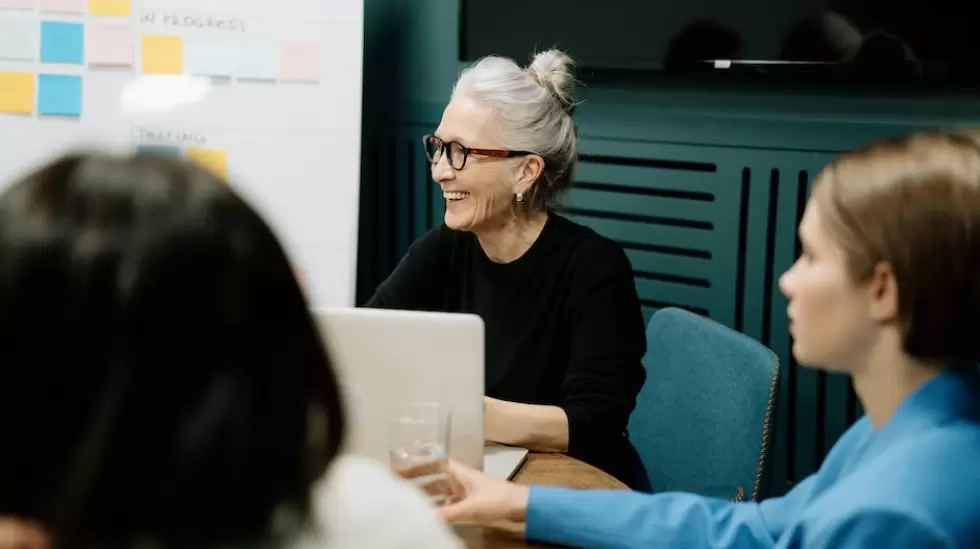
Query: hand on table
point(480, 498)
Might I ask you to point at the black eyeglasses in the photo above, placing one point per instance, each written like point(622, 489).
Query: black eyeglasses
point(458, 153)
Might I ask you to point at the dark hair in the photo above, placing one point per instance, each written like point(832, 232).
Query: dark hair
point(163, 379)
point(914, 204)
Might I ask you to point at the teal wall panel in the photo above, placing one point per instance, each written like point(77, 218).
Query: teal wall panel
point(702, 186)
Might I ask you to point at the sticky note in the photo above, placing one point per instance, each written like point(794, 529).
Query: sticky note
point(112, 8)
point(163, 55)
point(16, 4)
point(158, 150)
point(59, 94)
point(17, 92)
point(209, 57)
point(256, 59)
point(63, 6)
point(18, 40)
point(110, 45)
point(214, 160)
point(62, 42)
point(299, 61)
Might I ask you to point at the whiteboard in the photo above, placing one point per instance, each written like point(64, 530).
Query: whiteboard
point(266, 92)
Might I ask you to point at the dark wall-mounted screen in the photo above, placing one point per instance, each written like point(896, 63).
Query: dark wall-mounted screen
point(908, 40)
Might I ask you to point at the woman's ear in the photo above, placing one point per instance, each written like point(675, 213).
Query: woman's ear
point(883, 290)
point(528, 172)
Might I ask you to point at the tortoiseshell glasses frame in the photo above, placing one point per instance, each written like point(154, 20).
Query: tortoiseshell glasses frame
point(459, 153)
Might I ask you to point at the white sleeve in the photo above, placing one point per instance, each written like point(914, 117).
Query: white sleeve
point(361, 504)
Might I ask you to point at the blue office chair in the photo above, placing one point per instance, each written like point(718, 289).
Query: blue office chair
point(703, 418)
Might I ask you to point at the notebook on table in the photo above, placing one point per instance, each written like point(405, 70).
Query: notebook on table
point(502, 461)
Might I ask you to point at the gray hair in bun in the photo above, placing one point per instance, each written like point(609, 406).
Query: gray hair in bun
point(533, 109)
point(555, 71)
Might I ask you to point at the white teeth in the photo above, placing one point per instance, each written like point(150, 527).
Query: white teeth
point(454, 196)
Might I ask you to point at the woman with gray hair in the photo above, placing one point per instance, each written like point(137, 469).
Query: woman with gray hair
point(564, 329)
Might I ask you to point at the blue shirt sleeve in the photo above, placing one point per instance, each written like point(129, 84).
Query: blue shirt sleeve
point(867, 528)
point(618, 519)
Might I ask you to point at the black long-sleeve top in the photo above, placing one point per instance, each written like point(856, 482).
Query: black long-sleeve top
point(563, 326)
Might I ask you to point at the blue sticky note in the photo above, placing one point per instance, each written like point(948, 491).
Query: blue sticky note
point(62, 42)
point(204, 57)
point(157, 150)
point(59, 95)
point(256, 59)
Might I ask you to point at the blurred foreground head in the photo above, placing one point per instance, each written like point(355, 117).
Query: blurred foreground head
point(163, 380)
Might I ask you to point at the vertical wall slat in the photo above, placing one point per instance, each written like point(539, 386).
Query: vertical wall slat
point(402, 182)
point(808, 395)
point(728, 203)
point(421, 185)
point(384, 207)
point(796, 411)
point(367, 270)
point(754, 290)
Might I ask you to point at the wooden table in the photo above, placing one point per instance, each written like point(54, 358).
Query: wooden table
point(540, 469)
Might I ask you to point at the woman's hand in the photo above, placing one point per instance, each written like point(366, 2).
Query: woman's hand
point(481, 498)
point(19, 534)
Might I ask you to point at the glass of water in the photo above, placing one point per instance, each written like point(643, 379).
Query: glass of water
point(419, 449)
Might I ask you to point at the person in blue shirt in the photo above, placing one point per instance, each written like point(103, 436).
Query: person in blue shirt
point(887, 291)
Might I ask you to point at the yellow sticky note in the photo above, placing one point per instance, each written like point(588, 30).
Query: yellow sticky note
point(17, 92)
point(214, 160)
point(163, 55)
point(112, 8)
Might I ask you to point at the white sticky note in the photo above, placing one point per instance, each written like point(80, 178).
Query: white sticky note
point(209, 57)
point(256, 59)
point(19, 40)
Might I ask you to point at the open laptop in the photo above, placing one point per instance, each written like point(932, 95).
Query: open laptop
point(388, 359)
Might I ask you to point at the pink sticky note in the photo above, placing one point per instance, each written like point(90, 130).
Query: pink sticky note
point(299, 61)
point(63, 6)
point(17, 4)
point(110, 45)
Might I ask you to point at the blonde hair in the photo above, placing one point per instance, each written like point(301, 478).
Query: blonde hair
point(914, 203)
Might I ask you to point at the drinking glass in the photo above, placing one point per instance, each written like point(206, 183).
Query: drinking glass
point(419, 449)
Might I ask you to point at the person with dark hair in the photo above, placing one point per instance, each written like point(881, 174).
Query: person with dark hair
point(886, 291)
point(163, 380)
point(564, 326)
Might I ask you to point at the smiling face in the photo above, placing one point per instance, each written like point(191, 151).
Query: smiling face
point(832, 318)
point(481, 195)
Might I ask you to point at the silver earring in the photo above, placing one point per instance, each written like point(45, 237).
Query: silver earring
point(520, 197)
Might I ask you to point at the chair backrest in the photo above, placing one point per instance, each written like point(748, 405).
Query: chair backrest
point(703, 418)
